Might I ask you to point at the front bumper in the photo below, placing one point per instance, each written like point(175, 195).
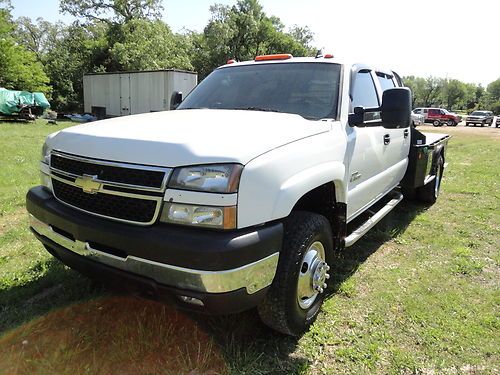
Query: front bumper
point(478, 121)
point(189, 262)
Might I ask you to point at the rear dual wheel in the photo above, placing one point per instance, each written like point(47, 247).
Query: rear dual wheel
point(298, 289)
point(430, 192)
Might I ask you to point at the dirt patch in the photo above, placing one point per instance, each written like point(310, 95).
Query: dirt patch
point(114, 335)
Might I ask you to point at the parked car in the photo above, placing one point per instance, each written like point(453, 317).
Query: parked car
point(416, 118)
point(439, 116)
point(480, 117)
point(497, 122)
point(240, 197)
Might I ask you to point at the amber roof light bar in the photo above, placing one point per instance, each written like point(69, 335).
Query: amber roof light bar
point(281, 56)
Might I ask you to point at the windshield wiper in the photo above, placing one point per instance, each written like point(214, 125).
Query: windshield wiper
point(257, 109)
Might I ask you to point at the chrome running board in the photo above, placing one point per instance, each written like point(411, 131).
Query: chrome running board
point(370, 223)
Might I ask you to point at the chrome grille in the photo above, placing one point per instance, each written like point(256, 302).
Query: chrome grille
point(128, 174)
point(120, 191)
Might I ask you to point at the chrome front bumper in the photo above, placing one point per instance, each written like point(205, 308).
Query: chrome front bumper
point(254, 276)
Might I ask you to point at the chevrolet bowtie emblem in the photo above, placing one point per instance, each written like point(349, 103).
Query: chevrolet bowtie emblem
point(88, 184)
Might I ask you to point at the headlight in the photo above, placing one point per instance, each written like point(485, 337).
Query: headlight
point(46, 153)
point(216, 178)
point(204, 216)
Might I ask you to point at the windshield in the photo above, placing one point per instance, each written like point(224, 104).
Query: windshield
point(479, 113)
point(306, 89)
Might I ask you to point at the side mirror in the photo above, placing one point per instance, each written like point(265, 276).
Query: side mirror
point(396, 108)
point(175, 99)
point(358, 117)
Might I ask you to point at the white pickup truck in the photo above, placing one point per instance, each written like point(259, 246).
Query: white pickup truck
point(241, 196)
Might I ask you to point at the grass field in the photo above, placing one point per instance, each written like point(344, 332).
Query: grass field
point(418, 295)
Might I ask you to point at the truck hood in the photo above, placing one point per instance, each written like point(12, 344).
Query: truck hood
point(185, 137)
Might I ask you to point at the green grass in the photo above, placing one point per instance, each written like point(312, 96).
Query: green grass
point(418, 295)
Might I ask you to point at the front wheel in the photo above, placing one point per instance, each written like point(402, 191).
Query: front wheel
point(298, 289)
point(451, 123)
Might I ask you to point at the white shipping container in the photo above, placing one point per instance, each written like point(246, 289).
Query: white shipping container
point(128, 93)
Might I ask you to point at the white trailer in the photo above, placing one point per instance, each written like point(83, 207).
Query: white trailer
point(128, 93)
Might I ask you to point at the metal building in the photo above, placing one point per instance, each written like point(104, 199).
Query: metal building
point(128, 93)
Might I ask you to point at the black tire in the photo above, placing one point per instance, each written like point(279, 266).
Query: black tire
point(409, 193)
point(467, 124)
point(429, 193)
point(436, 123)
point(280, 308)
point(451, 123)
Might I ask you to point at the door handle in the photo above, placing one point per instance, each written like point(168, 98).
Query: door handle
point(406, 133)
point(387, 139)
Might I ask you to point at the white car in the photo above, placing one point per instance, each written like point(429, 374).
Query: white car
point(416, 118)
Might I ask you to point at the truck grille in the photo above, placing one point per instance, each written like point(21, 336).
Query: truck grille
point(107, 172)
point(124, 208)
point(122, 192)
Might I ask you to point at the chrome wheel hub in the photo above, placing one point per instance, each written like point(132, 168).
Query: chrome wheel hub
point(312, 275)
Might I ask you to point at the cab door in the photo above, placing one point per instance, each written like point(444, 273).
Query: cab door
point(395, 156)
point(378, 156)
point(365, 146)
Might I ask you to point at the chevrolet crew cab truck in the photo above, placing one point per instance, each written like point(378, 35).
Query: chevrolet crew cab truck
point(242, 196)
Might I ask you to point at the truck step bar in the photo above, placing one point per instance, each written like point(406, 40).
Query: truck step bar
point(367, 225)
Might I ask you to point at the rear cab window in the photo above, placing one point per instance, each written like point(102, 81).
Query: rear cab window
point(386, 81)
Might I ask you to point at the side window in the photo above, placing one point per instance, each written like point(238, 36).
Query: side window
point(386, 81)
point(364, 94)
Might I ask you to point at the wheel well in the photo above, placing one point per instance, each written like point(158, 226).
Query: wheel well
point(322, 200)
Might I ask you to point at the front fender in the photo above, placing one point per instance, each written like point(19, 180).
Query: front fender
point(303, 182)
point(272, 183)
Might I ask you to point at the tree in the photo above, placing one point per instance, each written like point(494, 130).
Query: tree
point(493, 90)
point(78, 50)
point(417, 86)
point(243, 31)
point(38, 37)
point(453, 93)
point(19, 68)
point(431, 91)
point(493, 96)
point(112, 11)
point(147, 44)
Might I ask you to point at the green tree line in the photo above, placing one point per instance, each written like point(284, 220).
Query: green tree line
point(121, 35)
point(453, 94)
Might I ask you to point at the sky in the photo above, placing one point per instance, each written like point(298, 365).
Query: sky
point(442, 38)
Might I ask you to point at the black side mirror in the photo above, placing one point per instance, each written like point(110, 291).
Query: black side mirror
point(396, 108)
point(358, 117)
point(175, 99)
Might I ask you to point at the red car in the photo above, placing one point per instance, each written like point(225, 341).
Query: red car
point(439, 116)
